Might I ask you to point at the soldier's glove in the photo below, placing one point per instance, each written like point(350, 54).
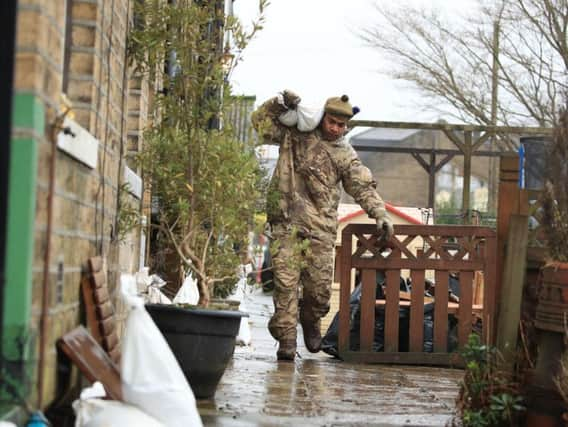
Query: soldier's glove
point(290, 99)
point(384, 226)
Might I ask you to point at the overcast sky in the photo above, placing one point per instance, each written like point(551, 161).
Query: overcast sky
point(310, 46)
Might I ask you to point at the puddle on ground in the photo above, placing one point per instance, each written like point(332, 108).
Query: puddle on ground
point(317, 390)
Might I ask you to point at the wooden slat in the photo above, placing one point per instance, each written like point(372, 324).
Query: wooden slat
point(90, 309)
point(509, 163)
point(368, 309)
point(406, 358)
point(105, 310)
point(453, 307)
point(403, 246)
point(524, 203)
point(407, 296)
point(419, 264)
point(95, 264)
point(337, 265)
point(101, 295)
point(466, 186)
point(391, 310)
point(453, 127)
point(91, 360)
point(512, 287)
point(114, 354)
point(110, 342)
point(508, 204)
point(366, 244)
point(490, 278)
point(426, 230)
point(465, 307)
point(107, 326)
point(509, 176)
point(441, 312)
point(100, 311)
point(344, 291)
point(478, 287)
point(98, 279)
point(417, 311)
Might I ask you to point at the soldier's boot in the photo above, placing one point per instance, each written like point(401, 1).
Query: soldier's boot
point(286, 350)
point(312, 333)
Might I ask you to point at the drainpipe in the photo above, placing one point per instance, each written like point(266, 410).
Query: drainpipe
point(7, 47)
point(54, 130)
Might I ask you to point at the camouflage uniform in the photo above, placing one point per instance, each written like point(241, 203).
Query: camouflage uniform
point(304, 195)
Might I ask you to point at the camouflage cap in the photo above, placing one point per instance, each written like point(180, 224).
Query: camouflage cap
point(340, 106)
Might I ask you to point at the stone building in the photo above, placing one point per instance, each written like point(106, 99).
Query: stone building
point(68, 52)
point(404, 182)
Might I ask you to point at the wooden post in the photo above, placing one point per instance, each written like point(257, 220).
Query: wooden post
point(508, 204)
point(467, 152)
point(432, 180)
point(344, 290)
point(494, 95)
point(431, 169)
point(512, 287)
point(367, 323)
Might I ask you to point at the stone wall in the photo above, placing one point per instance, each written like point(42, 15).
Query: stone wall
point(78, 47)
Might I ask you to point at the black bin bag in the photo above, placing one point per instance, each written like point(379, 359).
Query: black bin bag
point(330, 339)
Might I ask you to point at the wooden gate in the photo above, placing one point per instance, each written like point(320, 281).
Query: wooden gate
point(468, 251)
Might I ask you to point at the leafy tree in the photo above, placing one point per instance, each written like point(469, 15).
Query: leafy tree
point(203, 178)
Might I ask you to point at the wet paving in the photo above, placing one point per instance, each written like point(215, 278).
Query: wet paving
point(318, 390)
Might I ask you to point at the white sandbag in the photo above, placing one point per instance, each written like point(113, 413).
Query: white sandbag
point(92, 411)
point(151, 376)
point(143, 279)
point(156, 281)
point(156, 296)
point(188, 293)
point(289, 118)
point(309, 118)
point(305, 118)
point(112, 413)
point(244, 337)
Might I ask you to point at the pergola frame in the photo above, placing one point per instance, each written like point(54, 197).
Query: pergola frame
point(468, 146)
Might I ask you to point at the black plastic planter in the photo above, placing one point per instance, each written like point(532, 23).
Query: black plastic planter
point(203, 342)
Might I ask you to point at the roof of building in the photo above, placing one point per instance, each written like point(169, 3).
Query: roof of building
point(381, 137)
point(349, 211)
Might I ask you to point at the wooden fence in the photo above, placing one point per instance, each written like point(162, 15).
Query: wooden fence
point(463, 250)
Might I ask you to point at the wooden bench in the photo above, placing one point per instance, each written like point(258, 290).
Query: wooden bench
point(101, 319)
point(92, 360)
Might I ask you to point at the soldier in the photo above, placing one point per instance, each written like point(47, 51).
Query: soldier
point(302, 206)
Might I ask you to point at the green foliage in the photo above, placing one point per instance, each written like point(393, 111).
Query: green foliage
point(128, 213)
point(488, 394)
point(206, 182)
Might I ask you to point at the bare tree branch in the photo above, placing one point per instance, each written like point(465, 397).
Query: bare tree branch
point(451, 61)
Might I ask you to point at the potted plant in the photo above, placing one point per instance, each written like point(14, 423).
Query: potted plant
point(203, 180)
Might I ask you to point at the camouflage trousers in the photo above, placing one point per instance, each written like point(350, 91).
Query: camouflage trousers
point(308, 271)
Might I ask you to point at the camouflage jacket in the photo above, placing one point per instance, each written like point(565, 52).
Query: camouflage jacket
point(304, 191)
